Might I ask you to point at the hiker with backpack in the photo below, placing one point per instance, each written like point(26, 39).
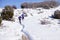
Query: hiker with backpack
point(19, 19)
point(22, 16)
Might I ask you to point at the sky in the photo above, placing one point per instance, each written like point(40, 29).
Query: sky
point(17, 3)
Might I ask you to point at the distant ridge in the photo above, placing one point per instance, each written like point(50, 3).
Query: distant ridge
point(45, 4)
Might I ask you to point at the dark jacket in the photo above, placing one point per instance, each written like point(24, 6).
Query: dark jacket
point(19, 17)
point(22, 16)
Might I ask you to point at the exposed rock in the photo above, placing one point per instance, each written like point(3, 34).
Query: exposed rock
point(57, 14)
point(24, 37)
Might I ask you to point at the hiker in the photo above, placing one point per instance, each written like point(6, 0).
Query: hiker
point(22, 16)
point(19, 19)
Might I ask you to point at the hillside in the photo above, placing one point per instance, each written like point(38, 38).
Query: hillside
point(44, 4)
point(37, 25)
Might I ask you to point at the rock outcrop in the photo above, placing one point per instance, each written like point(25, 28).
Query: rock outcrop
point(57, 14)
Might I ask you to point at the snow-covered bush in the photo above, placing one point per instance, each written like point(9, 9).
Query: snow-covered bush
point(7, 13)
point(45, 22)
point(57, 14)
point(0, 20)
point(25, 14)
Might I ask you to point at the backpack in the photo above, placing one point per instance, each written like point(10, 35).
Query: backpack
point(22, 16)
point(19, 17)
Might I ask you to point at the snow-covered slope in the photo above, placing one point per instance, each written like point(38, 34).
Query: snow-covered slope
point(38, 25)
point(10, 31)
point(38, 31)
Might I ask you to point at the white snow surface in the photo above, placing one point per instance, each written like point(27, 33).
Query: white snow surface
point(12, 30)
point(38, 31)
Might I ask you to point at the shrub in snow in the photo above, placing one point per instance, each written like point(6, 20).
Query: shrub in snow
point(0, 20)
point(25, 14)
point(14, 7)
point(7, 13)
point(31, 14)
point(57, 14)
point(45, 22)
